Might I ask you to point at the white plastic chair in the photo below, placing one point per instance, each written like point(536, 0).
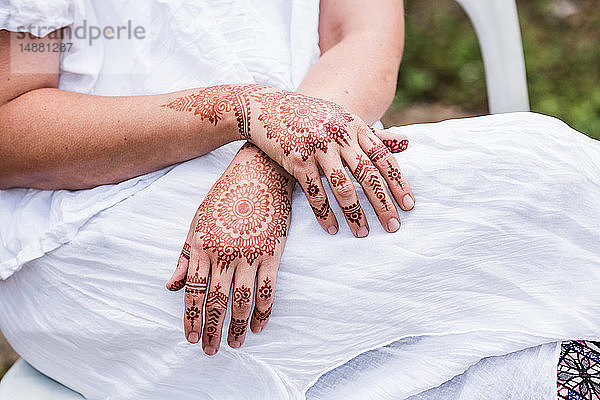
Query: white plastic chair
point(497, 26)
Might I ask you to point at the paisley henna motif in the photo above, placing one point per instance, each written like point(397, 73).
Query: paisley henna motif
point(246, 212)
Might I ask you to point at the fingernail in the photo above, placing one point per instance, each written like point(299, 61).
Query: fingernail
point(332, 230)
point(211, 351)
point(362, 232)
point(393, 225)
point(408, 202)
point(235, 345)
point(193, 337)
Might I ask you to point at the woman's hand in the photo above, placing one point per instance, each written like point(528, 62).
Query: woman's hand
point(305, 135)
point(237, 236)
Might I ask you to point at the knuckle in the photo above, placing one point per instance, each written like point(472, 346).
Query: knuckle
point(318, 199)
point(346, 190)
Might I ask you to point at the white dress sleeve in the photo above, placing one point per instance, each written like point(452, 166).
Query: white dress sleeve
point(36, 17)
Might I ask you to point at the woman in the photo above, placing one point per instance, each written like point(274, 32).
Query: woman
point(95, 289)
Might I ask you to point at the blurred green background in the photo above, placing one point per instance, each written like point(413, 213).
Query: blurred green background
point(442, 73)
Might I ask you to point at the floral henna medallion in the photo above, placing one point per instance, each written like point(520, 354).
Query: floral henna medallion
point(303, 124)
point(353, 212)
point(311, 187)
point(396, 145)
point(266, 290)
point(242, 296)
point(338, 177)
point(238, 327)
point(245, 214)
point(395, 175)
point(262, 316)
point(196, 285)
point(192, 313)
point(212, 102)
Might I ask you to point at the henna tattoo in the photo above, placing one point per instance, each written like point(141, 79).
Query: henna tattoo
point(377, 186)
point(242, 296)
point(323, 211)
point(396, 145)
point(216, 298)
point(303, 124)
point(246, 212)
point(312, 189)
point(213, 316)
point(378, 151)
point(212, 102)
point(185, 253)
point(193, 313)
point(364, 169)
point(395, 175)
point(238, 327)
point(338, 177)
point(178, 285)
point(353, 212)
point(196, 285)
point(262, 316)
point(266, 290)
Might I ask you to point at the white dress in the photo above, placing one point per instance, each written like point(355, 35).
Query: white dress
point(500, 257)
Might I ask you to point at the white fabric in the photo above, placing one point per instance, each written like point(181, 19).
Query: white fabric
point(503, 243)
point(500, 254)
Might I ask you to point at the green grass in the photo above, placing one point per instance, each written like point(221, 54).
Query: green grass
point(442, 61)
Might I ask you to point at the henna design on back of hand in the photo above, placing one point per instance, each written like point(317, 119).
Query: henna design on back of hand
point(303, 124)
point(246, 213)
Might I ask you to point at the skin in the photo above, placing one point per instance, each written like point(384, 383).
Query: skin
point(341, 37)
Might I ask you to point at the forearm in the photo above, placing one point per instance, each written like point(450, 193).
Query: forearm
point(54, 139)
point(358, 73)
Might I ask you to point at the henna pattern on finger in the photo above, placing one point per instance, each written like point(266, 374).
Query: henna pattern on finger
point(395, 145)
point(353, 212)
point(262, 316)
point(185, 253)
point(322, 212)
point(378, 151)
point(178, 285)
point(196, 285)
point(338, 177)
point(216, 304)
point(246, 212)
point(212, 102)
point(213, 316)
point(311, 187)
point(303, 124)
point(266, 290)
point(377, 187)
point(192, 313)
point(238, 327)
point(216, 298)
point(364, 169)
point(395, 175)
point(242, 296)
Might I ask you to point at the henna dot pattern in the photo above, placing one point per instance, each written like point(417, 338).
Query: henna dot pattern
point(266, 290)
point(212, 102)
point(262, 316)
point(303, 124)
point(353, 212)
point(246, 213)
point(242, 296)
point(323, 211)
point(378, 152)
point(196, 285)
point(395, 175)
point(192, 313)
